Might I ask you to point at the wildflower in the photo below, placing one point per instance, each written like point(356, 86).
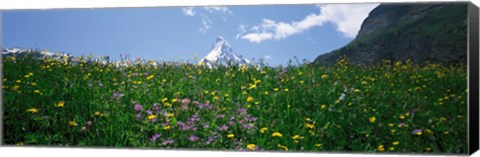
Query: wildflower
point(174, 100)
point(275, 89)
point(391, 148)
point(390, 124)
point(283, 147)
point(286, 89)
point(149, 77)
point(169, 141)
point(297, 137)
point(231, 135)
point(356, 91)
point(277, 134)
point(193, 138)
point(138, 107)
point(72, 123)
point(380, 148)
point(60, 104)
point(32, 110)
point(36, 91)
point(251, 146)
point(401, 117)
point(323, 106)
point(223, 128)
point(395, 143)
point(249, 99)
point(428, 149)
point(364, 82)
point(262, 130)
point(97, 113)
point(324, 76)
point(372, 119)
point(154, 137)
point(33, 84)
point(417, 132)
point(166, 127)
point(318, 145)
point(164, 100)
point(151, 117)
point(310, 126)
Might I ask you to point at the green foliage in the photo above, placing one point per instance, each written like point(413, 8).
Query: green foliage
point(342, 107)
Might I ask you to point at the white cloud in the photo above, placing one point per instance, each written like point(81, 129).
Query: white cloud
point(266, 57)
point(206, 22)
point(218, 9)
point(188, 11)
point(257, 37)
point(346, 17)
point(241, 30)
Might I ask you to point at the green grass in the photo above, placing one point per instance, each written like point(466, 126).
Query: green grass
point(381, 107)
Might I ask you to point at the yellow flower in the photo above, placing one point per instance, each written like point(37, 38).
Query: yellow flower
point(372, 119)
point(401, 117)
point(297, 137)
point(262, 130)
point(277, 134)
point(166, 127)
point(286, 89)
point(164, 99)
point(36, 91)
point(266, 93)
point(97, 113)
point(275, 89)
point(33, 84)
point(310, 126)
point(174, 100)
point(390, 124)
point(32, 110)
point(356, 90)
point(72, 123)
point(150, 77)
point(324, 106)
point(318, 145)
point(251, 146)
point(231, 135)
point(324, 76)
point(380, 148)
point(283, 147)
point(392, 148)
point(364, 82)
point(395, 143)
point(60, 104)
point(18, 81)
point(170, 115)
point(150, 117)
point(167, 104)
point(249, 99)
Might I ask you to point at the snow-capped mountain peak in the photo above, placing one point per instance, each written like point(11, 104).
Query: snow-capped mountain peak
point(222, 54)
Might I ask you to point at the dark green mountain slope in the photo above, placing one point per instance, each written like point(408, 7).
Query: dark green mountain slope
point(433, 32)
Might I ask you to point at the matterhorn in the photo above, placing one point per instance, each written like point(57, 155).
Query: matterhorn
point(221, 54)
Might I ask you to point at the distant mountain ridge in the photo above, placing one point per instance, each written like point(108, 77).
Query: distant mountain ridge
point(431, 32)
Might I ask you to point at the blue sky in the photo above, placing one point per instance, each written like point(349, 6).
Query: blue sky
point(275, 33)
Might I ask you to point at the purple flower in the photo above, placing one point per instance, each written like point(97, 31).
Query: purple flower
point(138, 107)
point(194, 129)
point(169, 141)
point(206, 125)
point(223, 128)
point(193, 138)
point(138, 116)
point(231, 123)
point(232, 117)
point(248, 126)
point(149, 111)
point(252, 119)
point(186, 101)
point(84, 129)
point(100, 84)
point(242, 110)
point(221, 116)
point(184, 107)
point(209, 140)
point(154, 137)
point(156, 107)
